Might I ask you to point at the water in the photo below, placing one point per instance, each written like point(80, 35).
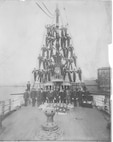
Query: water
point(5, 91)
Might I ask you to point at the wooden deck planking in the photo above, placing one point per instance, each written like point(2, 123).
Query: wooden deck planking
point(79, 124)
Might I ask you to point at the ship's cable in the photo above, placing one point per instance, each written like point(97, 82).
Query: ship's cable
point(47, 9)
point(43, 10)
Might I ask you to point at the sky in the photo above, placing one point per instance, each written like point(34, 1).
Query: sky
point(22, 28)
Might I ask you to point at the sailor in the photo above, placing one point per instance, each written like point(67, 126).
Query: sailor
point(44, 95)
point(50, 96)
point(28, 86)
point(74, 75)
point(40, 58)
point(51, 50)
point(80, 97)
point(44, 49)
point(26, 97)
point(75, 59)
point(80, 74)
point(70, 49)
point(39, 97)
point(75, 97)
point(46, 40)
point(35, 73)
point(71, 96)
point(64, 94)
point(47, 53)
point(57, 95)
point(84, 87)
point(33, 96)
point(48, 29)
point(61, 93)
point(48, 75)
point(54, 95)
point(68, 40)
point(86, 93)
point(67, 96)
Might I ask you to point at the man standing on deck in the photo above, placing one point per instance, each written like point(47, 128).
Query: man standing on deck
point(28, 86)
point(67, 96)
point(61, 94)
point(35, 73)
point(75, 97)
point(33, 96)
point(26, 97)
point(80, 97)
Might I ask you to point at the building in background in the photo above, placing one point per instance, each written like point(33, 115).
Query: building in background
point(104, 79)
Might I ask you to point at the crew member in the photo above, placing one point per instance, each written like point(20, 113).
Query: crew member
point(61, 94)
point(26, 97)
point(80, 97)
point(67, 96)
point(75, 97)
point(33, 96)
point(35, 73)
point(28, 86)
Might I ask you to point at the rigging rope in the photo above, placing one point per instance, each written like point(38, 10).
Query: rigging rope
point(43, 10)
point(47, 9)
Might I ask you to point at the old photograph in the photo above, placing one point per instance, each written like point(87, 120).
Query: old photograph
point(55, 75)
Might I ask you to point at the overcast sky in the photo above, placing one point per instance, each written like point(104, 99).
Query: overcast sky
point(22, 26)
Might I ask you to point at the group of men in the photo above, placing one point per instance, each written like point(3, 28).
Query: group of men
point(66, 95)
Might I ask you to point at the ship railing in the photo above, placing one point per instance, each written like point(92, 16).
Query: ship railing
point(10, 105)
point(102, 103)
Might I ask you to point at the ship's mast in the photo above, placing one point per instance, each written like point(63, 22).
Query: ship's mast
point(57, 16)
point(58, 60)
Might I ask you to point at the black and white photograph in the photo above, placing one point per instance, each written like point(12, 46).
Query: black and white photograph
point(55, 72)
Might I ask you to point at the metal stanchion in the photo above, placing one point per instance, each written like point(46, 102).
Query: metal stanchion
point(9, 105)
point(3, 108)
point(0, 121)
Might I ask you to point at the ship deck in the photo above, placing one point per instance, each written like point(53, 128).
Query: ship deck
point(78, 124)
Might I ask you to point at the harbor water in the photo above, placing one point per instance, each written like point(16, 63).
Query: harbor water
point(6, 91)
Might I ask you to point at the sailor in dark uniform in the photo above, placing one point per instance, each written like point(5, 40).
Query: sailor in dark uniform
point(43, 96)
point(57, 96)
point(35, 73)
point(28, 86)
point(80, 97)
point(26, 97)
point(61, 94)
point(50, 96)
point(67, 96)
point(75, 97)
point(33, 96)
point(54, 95)
point(72, 96)
point(64, 97)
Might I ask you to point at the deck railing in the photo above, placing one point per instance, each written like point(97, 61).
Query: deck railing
point(10, 105)
point(102, 102)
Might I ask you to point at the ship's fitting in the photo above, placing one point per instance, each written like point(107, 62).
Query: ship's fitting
point(50, 129)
